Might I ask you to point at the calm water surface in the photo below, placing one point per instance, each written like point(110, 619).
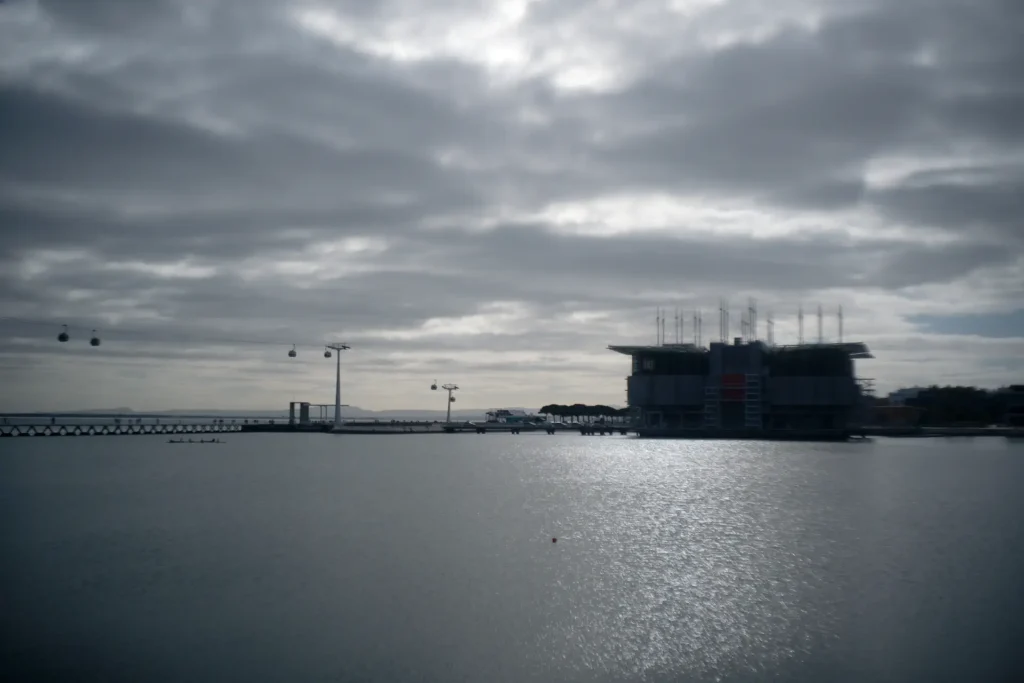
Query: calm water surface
point(404, 558)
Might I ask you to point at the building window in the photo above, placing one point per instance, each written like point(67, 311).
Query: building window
point(636, 364)
point(648, 364)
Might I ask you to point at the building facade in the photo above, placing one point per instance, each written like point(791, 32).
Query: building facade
point(745, 389)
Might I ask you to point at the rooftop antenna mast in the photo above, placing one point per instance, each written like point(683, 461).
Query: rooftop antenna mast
point(662, 330)
point(723, 321)
point(677, 324)
point(752, 319)
point(800, 325)
point(771, 330)
point(700, 328)
point(821, 333)
point(657, 328)
point(840, 323)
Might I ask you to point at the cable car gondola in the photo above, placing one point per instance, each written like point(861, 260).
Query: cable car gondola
point(433, 387)
point(292, 353)
point(63, 336)
point(327, 353)
point(95, 341)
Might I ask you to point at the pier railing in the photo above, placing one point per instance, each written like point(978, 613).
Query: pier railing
point(105, 424)
point(11, 430)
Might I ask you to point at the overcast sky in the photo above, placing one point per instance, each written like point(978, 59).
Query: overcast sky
point(490, 192)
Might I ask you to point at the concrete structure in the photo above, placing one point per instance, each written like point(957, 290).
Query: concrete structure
point(325, 412)
point(745, 389)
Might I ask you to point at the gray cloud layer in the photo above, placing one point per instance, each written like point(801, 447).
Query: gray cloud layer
point(181, 167)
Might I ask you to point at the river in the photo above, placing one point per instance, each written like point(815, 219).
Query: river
point(312, 557)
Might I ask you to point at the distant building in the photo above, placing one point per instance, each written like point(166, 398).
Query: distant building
point(1014, 416)
point(746, 389)
point(901, 396)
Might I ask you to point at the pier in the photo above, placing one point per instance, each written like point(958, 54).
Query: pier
point(585, 430)
point(9, 430)
point(104, 425)
point(127, 424)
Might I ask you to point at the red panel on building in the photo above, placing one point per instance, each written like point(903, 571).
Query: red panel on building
point(734, 380)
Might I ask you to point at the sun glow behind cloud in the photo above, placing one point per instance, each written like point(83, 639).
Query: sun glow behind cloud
point(492, 38)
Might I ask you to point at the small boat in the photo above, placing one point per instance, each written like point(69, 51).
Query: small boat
point(200, 441)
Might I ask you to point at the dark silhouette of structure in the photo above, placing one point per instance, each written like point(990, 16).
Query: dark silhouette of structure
point(746, 389)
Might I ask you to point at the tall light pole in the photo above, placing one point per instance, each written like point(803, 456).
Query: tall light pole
point(450, 388)
point(337, 382)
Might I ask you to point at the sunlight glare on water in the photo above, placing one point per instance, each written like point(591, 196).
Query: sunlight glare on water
point(680, 551)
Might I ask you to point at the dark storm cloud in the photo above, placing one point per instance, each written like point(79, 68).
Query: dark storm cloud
point(53, 139)
point(614, 269)
point(360, 102)
point(109, 15)
point(606, 266)
point(795, 118)
point(224, 134)
point(983, 202)
point(215, 233)
point(211, 307)
point(934, 265)
point(203, 192)
point(312, 90)
point(776, 116)
point(790, 119)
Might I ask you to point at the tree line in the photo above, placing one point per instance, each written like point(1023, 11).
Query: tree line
point(582, 412)
point(957, 404)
